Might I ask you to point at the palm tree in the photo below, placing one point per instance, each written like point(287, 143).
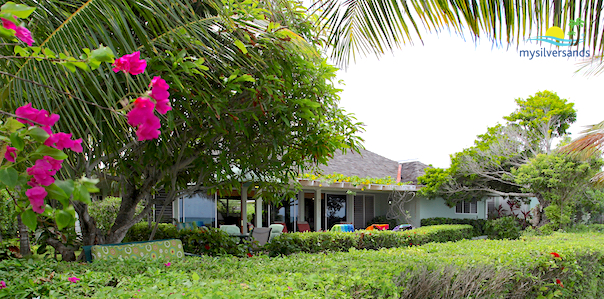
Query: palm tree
point(360, 27)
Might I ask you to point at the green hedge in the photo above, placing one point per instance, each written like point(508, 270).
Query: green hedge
point(211, 242)
point(524, 268)
point(339, 241)
point(478, 224)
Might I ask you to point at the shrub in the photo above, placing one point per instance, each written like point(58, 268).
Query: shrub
point(503, 228)
point(478, 224)
point(314, 242)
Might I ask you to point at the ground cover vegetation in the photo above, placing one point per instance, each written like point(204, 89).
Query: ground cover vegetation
point(561, 265)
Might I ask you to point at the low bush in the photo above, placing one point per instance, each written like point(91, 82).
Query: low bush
point(478, 224)
point(503, 228)
point(339, 241)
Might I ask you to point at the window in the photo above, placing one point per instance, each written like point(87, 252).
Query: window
point(466, 207)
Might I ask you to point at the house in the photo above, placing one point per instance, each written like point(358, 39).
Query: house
point(323, 204)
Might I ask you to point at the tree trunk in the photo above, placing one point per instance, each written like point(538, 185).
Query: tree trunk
point(538, 212)
point(25, 248)
point(67, 253)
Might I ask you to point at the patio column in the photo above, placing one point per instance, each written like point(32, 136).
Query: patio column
point(318, 210)
point(349, 208)
point(244, 209)
point(258, 212)
point(301, 215)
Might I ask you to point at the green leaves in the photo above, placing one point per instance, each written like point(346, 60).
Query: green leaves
point(9, 177)
point(30, 219)
point(18, 10)
point(44, 150)
point(98, 56)
point(17, 141)
point(38, 134)
point(63, 219)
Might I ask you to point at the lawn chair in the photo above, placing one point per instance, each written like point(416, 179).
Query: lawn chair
point(260, 236)
point(276, 229)
point(230, 229)
point(303, 226)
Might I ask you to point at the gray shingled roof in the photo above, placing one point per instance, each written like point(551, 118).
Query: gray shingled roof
point(411, 170)
point(368, 164)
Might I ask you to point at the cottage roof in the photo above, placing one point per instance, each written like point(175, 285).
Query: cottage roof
point(411, 170)
point(367, 164)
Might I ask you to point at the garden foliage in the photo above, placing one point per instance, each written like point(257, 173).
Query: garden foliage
point(478, 224)
point(216, 242)
point(563, 265)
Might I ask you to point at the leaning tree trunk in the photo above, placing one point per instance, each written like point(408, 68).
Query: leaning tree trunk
point(67, 253)
point(25, 248)
point(539, 218)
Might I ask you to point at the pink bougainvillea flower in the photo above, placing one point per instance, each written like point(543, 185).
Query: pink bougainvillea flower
point(2, 284)
point(41, 117)
point(142, 116)
point(11, 153)
point(555, 254)
point(159, 92)
point(21, 32)
point(54, 163)
point(73, 279)
point(36, 197)
point(130, 63)
point(42, 171)
point(168, 264)
point(559, 282)
point(149, 129)
point(63, 140)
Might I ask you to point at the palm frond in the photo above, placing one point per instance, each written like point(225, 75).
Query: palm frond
point(376, 26)
point(157, 28)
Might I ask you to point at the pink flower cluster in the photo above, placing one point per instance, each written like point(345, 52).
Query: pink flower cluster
point(28, 115)
point(142, 114)
point(2, 284)
point(131, 64)
point(44, 169)
point(21, 32)
point(10, 154)
point(73, 279)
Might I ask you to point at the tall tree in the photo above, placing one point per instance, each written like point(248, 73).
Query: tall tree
point(251, 97)
point(487, 168)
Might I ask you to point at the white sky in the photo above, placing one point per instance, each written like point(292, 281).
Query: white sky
point(425, 102)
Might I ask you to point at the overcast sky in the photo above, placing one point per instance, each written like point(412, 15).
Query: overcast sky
point(425, 102)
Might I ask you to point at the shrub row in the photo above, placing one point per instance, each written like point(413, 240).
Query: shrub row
point(339, 241)
point(215, 242)
point(478, 224)
point(563, 265)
